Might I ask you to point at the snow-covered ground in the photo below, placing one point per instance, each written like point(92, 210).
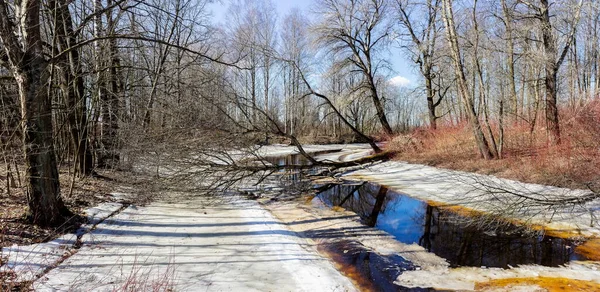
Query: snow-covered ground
point(30, 261)
point(345, 150)
point(191, 245)
point(194, 246)
point(524, 202)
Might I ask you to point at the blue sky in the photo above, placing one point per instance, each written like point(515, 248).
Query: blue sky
point(404, 72)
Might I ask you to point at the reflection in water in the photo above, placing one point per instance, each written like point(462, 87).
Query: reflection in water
point(369, 270)
point(294, 159)
point(381, 194)
point(446, 233)
point(291, 174)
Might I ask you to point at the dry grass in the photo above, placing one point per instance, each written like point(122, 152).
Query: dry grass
point(527, 156)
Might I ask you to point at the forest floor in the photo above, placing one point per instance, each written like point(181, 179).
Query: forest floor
point(78, 194)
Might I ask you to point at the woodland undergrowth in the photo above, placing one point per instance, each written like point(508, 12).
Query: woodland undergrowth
point(527, 155)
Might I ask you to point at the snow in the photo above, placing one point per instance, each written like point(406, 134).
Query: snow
point(194, 246)
point(465, 278)
point(488, 194)
point(282, 150)
point(31, 260)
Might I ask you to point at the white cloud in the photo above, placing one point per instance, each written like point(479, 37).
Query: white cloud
point(399, 81)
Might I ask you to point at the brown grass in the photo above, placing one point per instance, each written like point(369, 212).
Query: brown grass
point(527, 156)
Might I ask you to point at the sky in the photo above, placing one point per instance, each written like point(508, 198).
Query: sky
point(404, 73)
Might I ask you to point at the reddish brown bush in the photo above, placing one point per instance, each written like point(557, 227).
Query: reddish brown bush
point(527, 156)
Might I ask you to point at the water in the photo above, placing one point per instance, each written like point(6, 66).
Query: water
point(295, 159)
point(448, 234)
point(369, 270)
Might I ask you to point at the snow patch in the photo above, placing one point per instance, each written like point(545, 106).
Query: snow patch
point(30, 261)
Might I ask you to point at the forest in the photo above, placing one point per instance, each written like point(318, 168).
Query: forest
point(93, 85)
point(125, 119)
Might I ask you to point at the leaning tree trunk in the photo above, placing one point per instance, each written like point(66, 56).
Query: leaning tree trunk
point(482, 144)
point(379, 106)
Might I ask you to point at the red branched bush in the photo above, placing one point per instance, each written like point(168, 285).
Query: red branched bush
point(527, 154)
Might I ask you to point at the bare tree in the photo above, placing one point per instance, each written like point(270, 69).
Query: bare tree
point(72, 85)
point(423, 33)
point(295, 47)
point(358, 30)
point(553, 58)
point(465, 93)
point(20, 33)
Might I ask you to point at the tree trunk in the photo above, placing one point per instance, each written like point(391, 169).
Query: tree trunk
point(111, 134)
point(465, 94)
point(510, 61)
point(266, 83)
point(73, 87)
point(482, 90)
point(430, 103)
point(379, 107)
point(551, 69)
point(29, 67)
point(42, 186)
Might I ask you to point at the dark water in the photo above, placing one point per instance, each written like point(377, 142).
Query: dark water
point(370, 271)
point(296, 159)
point(447, 234)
